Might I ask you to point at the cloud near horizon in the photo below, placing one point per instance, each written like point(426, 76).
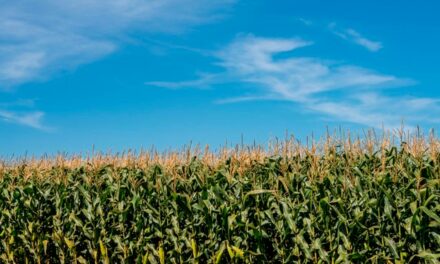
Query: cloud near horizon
point(29, 118)
point(312, 82)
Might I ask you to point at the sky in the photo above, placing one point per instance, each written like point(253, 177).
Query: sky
point(77, 76)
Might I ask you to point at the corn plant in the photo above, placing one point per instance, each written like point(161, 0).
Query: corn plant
point(340, 205)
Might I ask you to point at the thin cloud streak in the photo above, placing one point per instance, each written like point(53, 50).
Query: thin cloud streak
point(341, 92)
point(355, 37)
point(368, 44)
point(205, 81)
point(30, 118)
point(242, 99)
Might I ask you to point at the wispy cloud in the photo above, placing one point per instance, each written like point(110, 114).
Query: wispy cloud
point(204, 81)
point(30, 118)
point(248, 98)
point(39, 38)
point(342, 92)
point(18, 103)
point(355, 37)
point(22, 112)
point(304, 21)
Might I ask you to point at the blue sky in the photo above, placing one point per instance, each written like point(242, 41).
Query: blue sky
point(126, 74)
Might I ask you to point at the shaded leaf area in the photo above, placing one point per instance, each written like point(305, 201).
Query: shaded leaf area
point(303, 209)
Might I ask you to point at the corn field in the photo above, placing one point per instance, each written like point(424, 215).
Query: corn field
point(369, 200)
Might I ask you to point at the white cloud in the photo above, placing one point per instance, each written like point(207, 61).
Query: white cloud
point(31, 119)
point(247, 99)
point(366, 43)
point(375, 109)
point(18, 103)
point(355, 37)
point(38, 38)
point(204, 81)
point(22, 65)
point(340, 91)
point(252, 59)
point(305, 21)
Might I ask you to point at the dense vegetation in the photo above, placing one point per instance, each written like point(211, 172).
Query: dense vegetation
point(341, 204)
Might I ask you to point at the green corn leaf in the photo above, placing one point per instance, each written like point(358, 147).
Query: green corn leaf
point(392, 247)
point(430, 214)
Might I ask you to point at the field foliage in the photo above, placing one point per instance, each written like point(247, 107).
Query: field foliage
point(375, 200)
